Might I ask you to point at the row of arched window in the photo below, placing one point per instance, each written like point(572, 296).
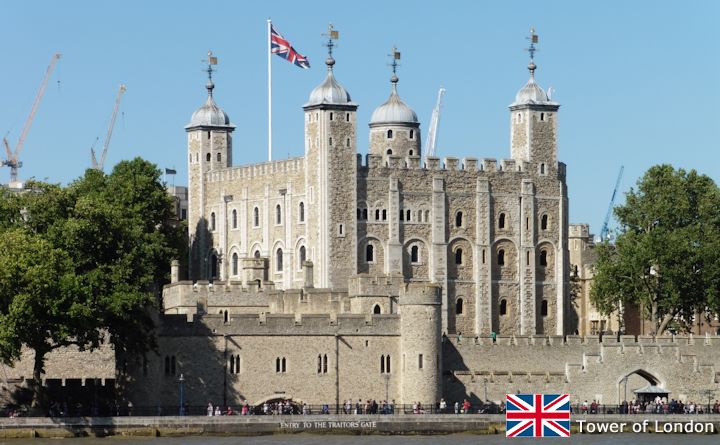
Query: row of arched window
point(502, 221)
point(385, 364)
point(390, 134)
point(543, 307)
point(256, 216)
point(208, 157)
point(235, 260)
point(280, 365)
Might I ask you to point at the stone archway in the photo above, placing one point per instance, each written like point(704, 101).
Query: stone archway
point(634, 380)
point(273, 401)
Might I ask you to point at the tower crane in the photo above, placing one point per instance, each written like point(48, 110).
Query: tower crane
point(98, 165)
point(604, 232)
point(434, 123)
point(12, 156)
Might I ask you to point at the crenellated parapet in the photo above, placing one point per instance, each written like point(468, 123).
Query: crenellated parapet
point(252, 171)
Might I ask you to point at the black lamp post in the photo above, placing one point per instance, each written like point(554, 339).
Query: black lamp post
point(182, 395)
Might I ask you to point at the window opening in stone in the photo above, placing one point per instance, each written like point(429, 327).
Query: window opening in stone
point(501, 221)
point(458, 256)
point(459, 306)
point(501, 257)
point(369, 253)
point(503, 307)
point(414, 254)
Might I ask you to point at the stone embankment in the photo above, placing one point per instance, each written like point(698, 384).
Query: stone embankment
point(41, 427)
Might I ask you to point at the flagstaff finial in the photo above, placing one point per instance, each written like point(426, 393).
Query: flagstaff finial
point(211, 60)
point(533, 38)
point(395, 56)
point(331, 35)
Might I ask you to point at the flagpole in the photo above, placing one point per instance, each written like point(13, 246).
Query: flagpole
point(269, 55)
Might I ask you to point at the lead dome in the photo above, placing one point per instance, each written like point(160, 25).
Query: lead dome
point(394, 110)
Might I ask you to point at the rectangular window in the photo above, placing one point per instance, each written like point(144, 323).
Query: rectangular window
point(420, 361)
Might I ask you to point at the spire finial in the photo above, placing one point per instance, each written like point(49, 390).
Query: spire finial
point(211, 60)
point(331, 35)
point(533, 38)
point(395, 56)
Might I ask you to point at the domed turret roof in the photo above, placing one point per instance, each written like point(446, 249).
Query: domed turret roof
point(531, 93)
point(209, 114)
point(329, 92)
point(394, 110)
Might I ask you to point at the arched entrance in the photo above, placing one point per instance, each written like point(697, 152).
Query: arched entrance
point(635, 380)
point(278, 404)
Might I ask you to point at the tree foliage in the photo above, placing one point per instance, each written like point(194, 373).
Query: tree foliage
point(82, 264)
point(666, 256)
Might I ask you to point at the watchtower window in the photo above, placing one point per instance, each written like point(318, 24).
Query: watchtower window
point(347, 142)
point(544, 222)
point(369, 253)
point(212, 221)
point(278, 214)
point(458, 256)
point(412, 135)
point(389, 134)
point(331, 116)
point(420, 361)
point(256, 217)
point(501, 257)
point(501, 221)
point(458, 219)
point(414, 254)
point(543, 258)
point(544, 308)
point(503, 307)
point(542, 169)
point(256, 254)
point(459, 306)
point(389, 152)
point(235, 263)
point(279, 260)
point(208, 135)
point(542, 116)
point(347, 117)
point(301, 212)
point(302, 255)
point(376, 309)
point(207, 157)
point(219, 157)
point(234, 219)
point(411, 152)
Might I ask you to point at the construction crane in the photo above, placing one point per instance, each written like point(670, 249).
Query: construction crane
point(12, 156)
point(604, 236)
point(434, 123)
point(99, 165)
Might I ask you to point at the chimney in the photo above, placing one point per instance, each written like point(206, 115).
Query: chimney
point(308, 267)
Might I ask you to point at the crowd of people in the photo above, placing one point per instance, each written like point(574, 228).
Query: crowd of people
point(659, 405)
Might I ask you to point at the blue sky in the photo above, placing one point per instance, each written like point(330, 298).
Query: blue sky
point(637, 80)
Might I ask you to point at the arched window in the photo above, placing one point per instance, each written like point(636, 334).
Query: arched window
point(347, 142)
point(364, 214)
point(279, 260)
point(411, 152)
point(257, 254)
point(503, 307)
point(458, 219)
point(414, 254)
point(256, 217)
point(359, 214)
point(331, 116)
point(542, 116)
point(208, 157)
point(376, 309)
point(458, 256)
point(408, 214)
point(319, 364)
point(234, 219)
point(234, 263)
point(219, 157)
point(301, 212)
point(226, 316)
point(544, 308)
point(382, 364)
point(544, 222)
point(501, 221)
point(389, 152)
point(412, 135)
point(501, 257)
point(384, 215)
point(277, 364)
point(278, 214)
point(459, 306)
point(347, 117)
point(387, 363)
point(542, 169)
point(283, 364)
point(237, 364)
point(389, 134)
point(427, 215)
point(324, 363)
point(369, 253)
point(377, 215)
point(212, 221)
point(543, 258)
point(301, 255)
point(213, 266)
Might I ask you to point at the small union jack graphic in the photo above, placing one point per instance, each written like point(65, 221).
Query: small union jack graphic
point(537, 415)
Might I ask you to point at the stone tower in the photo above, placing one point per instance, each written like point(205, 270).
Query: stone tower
point(394, 127)
point(209, 147)
point(421, 346)
point(330, 180)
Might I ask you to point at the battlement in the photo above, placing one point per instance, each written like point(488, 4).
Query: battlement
point(449, 164)
point(631, 342)
point(282, 166)
point(281, 324)
point(375, 285)
point(186, 297)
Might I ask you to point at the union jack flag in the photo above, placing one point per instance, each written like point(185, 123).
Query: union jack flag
point(537, 415)
point(280, 46)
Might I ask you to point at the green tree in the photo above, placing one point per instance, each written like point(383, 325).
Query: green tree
point(112, 238)
point(665, 257)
